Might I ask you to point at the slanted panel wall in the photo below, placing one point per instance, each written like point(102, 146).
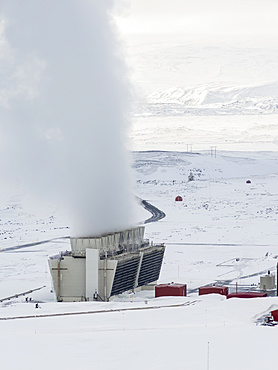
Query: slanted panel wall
point(151, 266)
point(125, 276)
point(105, 284)
point(53, 267)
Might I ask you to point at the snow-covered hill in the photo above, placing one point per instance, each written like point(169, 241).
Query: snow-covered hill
point(212, 99)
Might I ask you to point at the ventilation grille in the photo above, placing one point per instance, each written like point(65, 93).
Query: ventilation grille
point(150, 267)
point(125, 275)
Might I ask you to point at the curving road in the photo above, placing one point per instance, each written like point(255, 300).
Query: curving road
point(157, 214)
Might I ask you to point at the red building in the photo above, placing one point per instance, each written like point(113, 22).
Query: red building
point(170, 289)
point(274, 314)
point(213, 289)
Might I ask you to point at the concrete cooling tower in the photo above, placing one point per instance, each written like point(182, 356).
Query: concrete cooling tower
point(99, 268)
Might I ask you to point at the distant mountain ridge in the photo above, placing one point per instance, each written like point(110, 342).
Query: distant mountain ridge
point(212, 99)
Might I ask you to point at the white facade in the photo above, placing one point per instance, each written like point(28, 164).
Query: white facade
point(69, 278)
point(92, 267)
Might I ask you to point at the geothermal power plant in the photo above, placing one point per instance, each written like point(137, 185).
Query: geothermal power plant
point(94, 120)
point(99, 268)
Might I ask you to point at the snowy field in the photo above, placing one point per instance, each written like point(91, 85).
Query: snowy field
point(224, 231)
point(229, 133)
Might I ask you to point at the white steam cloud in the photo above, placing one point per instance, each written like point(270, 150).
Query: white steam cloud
point(64, 101)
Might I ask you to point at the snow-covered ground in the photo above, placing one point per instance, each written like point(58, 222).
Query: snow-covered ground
point(224, 231)
point(178, 337)
point(237, 132)
point(221, 217)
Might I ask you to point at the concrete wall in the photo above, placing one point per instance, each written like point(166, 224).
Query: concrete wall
point(72, 284)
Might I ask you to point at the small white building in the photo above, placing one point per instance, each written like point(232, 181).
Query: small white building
point(267, 282)
point(101, 267)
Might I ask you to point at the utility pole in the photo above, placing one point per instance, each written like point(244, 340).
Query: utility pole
point(277, 280)
point(213, 151)
point(208, 358)
point(189, 148)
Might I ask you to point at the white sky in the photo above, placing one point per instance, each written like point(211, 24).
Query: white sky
point(200, 17)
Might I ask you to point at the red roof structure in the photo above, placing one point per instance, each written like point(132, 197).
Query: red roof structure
point(178, 198)
point(247, 295)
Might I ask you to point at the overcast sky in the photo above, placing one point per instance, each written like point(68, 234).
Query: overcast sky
point(201, 18)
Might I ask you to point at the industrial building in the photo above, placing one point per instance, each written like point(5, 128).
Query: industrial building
point(99, 268)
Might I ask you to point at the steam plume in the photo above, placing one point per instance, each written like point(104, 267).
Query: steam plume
point(64, 98)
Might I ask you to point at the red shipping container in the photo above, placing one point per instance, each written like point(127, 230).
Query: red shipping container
point(247, 295)
point(170, 289)
point(213, 289)
point(274, 314)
